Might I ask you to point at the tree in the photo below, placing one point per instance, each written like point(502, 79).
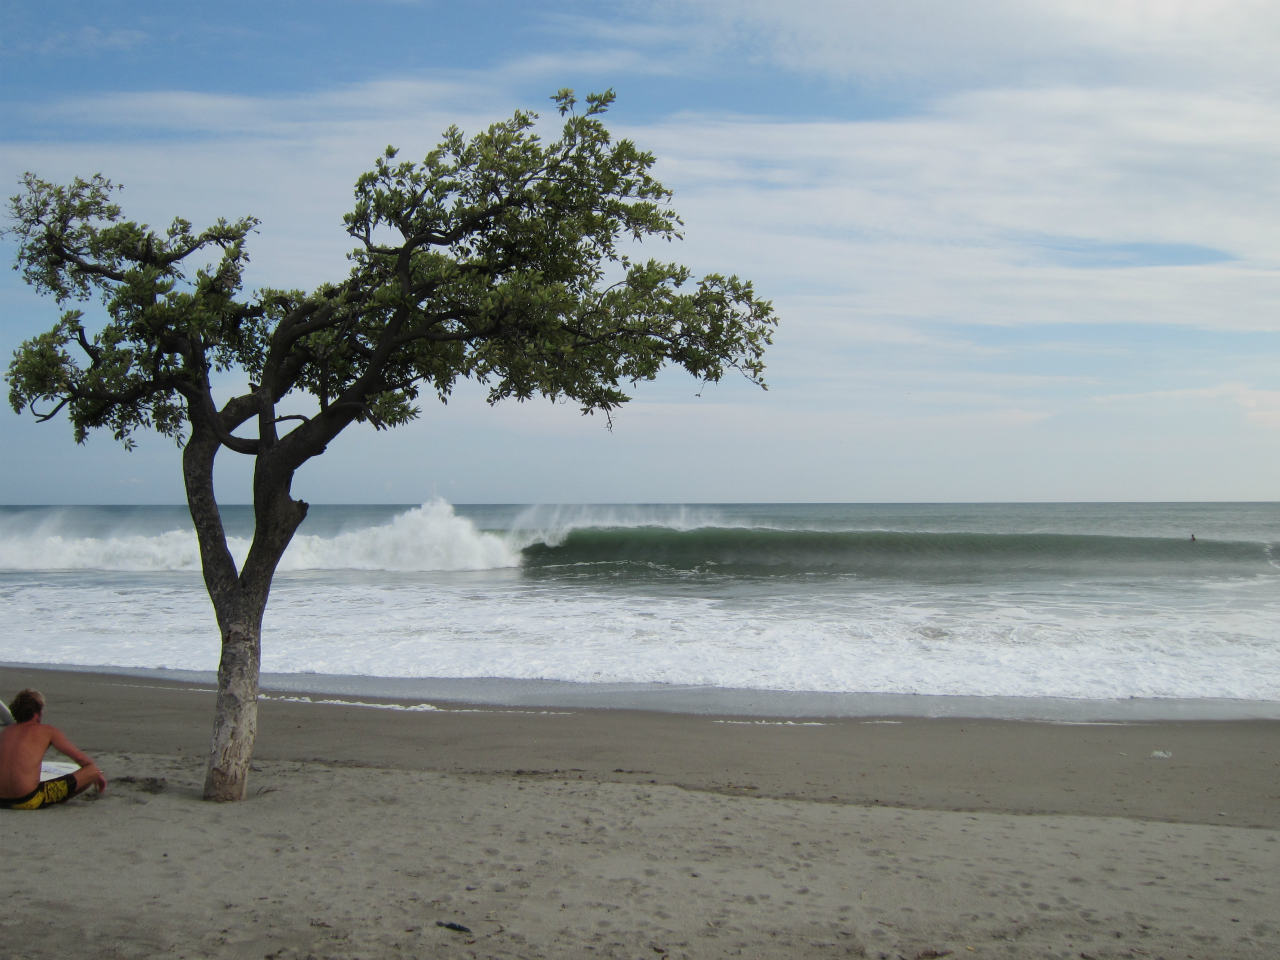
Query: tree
point(501, 258)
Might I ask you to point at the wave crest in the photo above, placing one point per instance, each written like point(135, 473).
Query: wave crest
point(877, 554)
point(431, 537)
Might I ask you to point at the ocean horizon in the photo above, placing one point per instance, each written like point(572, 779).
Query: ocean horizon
point(1075, 611)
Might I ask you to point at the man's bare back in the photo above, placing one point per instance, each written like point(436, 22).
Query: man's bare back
point(23, 745)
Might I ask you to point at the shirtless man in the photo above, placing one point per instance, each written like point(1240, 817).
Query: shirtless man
point(22, 747)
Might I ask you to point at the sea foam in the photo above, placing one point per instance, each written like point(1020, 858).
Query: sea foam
point(1055, 601)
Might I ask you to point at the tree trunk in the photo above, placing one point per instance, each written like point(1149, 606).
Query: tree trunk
point(235, 721)
point(239, 611)
point(240, 596)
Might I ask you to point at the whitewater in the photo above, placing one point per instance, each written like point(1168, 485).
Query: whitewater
point(1052, 610)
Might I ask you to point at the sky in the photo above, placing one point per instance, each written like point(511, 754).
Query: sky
point(1020, 250)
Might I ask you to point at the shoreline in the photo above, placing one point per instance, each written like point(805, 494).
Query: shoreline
point(700, 700)
point(567, 834)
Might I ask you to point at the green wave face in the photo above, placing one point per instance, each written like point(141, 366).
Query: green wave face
point(880, 554)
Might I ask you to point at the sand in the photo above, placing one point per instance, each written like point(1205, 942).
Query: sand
point(480, 832)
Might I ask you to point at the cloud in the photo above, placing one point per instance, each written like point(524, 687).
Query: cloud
point(290, 160)
point(85, 41)
point(1260, 406)
point(992, 207)
point(395, 103)
point(926, 44)
point(1003, 207)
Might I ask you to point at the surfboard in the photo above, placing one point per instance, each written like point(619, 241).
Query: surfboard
point(52, 769)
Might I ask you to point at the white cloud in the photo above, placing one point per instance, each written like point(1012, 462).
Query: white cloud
point(1260, 406)
point(955, 214)
point(924, 43)
point(86, 40)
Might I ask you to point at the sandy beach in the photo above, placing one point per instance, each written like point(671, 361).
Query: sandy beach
point(469, 831)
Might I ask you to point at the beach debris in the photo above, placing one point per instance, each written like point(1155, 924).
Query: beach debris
point(450, 925)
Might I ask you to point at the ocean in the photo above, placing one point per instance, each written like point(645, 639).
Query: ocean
point(1069, 611)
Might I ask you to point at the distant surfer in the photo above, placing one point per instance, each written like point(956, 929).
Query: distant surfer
point(23, 745)
point(1193, 538)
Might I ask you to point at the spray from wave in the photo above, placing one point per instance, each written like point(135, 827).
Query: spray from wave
point(431, 537)
point(427, 538)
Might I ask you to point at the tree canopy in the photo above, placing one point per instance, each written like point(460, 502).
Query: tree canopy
point(487, 259)
point(503, 258)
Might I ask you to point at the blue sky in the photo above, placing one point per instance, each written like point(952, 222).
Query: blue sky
point(1020, 249)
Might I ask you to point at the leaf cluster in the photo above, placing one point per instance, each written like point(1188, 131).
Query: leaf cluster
point(73, 244)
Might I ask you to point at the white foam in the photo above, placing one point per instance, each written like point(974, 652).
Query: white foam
point(427, 538)
point(461, 625)
point(428, 594)
point(41, 550)
point(430, 537)
point(402, 707)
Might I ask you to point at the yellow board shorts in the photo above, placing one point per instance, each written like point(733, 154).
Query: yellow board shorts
point(45, 795)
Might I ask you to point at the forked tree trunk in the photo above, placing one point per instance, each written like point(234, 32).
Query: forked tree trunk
point(239, 612)
point(240, 595)
point(235, 720)
point(239, 601)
